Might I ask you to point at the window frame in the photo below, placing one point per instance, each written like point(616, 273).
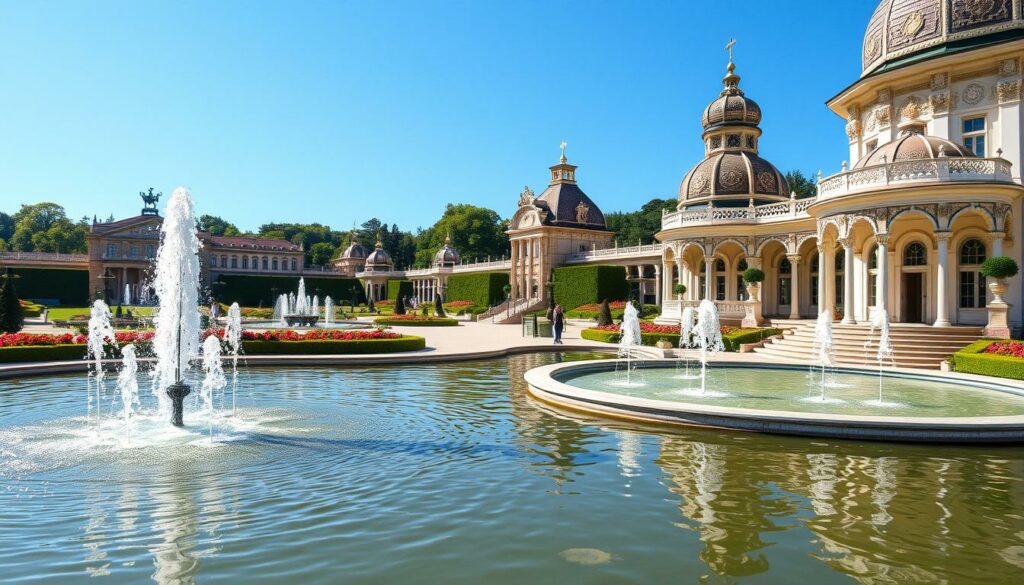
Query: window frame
point(970, 137)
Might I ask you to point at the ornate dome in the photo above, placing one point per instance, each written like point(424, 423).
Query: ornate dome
point(913, 145)
point(378, 259)
point(731, 107)
point(447, 255)
point(355, 250)
point(732, 172)
point(901, 28)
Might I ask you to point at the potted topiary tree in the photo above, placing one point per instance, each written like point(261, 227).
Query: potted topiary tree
point(604, 314)
point(998, 269)
point(12, 317)
point(680, 290)
point(753, 277)
point(438, 307)
point(399, 306)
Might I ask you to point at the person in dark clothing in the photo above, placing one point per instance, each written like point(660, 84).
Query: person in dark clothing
point(558, 323)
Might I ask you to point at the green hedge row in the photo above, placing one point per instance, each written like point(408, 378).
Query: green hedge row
point(399, 287)
point(645, 311)
point(973, 360)
point(42, 353)
point(67, 287)
point(334, 346)
point(574, 286)
point(431, 322)
point(732, 341)
point(484, 289)
point(252, 290)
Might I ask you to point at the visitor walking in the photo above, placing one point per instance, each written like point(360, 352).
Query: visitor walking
point(557, 323)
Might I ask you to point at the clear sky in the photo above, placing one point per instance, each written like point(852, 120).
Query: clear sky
point(337, 111)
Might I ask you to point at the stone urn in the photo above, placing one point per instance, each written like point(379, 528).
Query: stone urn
point(754, 290)
point(998, 287)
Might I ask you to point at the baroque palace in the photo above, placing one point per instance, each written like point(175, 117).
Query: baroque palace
point(933, 187)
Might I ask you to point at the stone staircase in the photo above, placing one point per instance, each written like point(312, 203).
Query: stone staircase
point(511, 311)
point(914, 346)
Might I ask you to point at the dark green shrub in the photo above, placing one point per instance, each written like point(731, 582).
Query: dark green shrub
point(399, 306)
point(973, 360)
point(734, 339)
point(252, 290)
point(999, 267)
point(483, 289)
point(334, 346)
point(604, 315)
point(42, 353)
point(731, 340)
point(438, 308)
point(680, 288)
point(399, 288)
point(752, 275)
point(575, 286)
point(369, 307)
point(67, 287)
point(12, 318)
point(417, 322)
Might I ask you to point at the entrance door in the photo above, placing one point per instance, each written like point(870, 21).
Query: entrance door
point(913, 298)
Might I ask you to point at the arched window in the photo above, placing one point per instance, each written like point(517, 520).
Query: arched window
point(815, 264)
point(840, 285)
point(873, 276)
point(294, 269)
point(719, 280)
point(234, 261)
point(971, 284)
point(785, 282)
point(741, 287)
point(702, 280)
point(265, 261)
point(245, 262)
point(915, 254)
point(273, 263)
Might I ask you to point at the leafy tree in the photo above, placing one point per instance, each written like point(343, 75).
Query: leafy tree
point(477, 232)
point(217, 226)
point(6, 226)
point(321, 253)
point(801, 185)
point(44, 227)
point(12, 318)
point(639, 226)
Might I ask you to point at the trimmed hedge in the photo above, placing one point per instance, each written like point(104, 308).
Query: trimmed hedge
point(645, 311)
point(575, 286)
point(428, 322)
point(973, 360)
point(68, 287)
point(253, 291)
point(399, 287)
point(334, 346)
point(731, 341)
point(485, 289)
point(42, 353)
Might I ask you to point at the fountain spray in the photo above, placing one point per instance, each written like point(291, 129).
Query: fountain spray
point(709, 337)
point(630, 338)
point(128, 384)
point(823, 346)
point(177, 320)
point(880, 321)
point(214, 379)
point(233, 333)
point(100, 333)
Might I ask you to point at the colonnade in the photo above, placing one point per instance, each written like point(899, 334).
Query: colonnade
point(529, 268)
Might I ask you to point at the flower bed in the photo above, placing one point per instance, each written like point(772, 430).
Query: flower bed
point(1003, 359)
point(410, 320)
point(617, 308)
point(651, 333)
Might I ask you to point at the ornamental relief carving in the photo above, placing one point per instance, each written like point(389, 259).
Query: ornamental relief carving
point(912, 108)
point(883, 115)
point(1008, 91)
point(766, 181)
point(968, 14)
point(939, 81)
point(884, 96)
point(853, 130)
point(973, 94)
point(1008, 67)
point(939, 102)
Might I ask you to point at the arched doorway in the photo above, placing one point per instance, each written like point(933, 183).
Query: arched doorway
point(913, 275)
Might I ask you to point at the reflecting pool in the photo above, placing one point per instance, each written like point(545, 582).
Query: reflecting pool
point(451, 473)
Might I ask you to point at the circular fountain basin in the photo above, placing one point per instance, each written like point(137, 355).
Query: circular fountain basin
point(273, 324)
point(916, 407)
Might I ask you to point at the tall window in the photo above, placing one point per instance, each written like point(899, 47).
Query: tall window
point(213, 261)
point(265, 263)
point(814, 279)
point(111, 250)
point(132, 251)
point(150, 251)
point(234, 261)
point(719, 280)
point(785, 282)
point(915, 255)
point(245, 262)
point(973, 135)
point(971, 282)
point(741, 287)
point(294, 265)
point(703, 280)
point(873, 276)
point(840, 270)
point(273, 264)
point(224, 261)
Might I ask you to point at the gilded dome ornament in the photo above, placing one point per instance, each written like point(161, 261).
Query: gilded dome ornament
point(913, 25)
point(526, 197)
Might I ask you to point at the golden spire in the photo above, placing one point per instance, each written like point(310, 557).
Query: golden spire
point(731, 80)
point(448, 238)
point(562, 146)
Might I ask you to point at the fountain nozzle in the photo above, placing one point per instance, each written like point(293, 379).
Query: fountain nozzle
point(177, 392)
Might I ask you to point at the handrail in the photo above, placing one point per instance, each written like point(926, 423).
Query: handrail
point(982, 170)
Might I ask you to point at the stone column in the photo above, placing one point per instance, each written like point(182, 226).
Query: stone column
point(657, 284)
point(942, 280)
point(709, 280)
point(847, 244)
point(681, 268)
point(997, 242)
point(882, 300)
point(794, 285)
point(822, 280)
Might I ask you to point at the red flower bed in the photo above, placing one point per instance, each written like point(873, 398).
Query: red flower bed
point(18, 339)
point(648, 327)
point(334, 334)
point(458, 304)
point(594, 307)
point(1007, 348)
point(410, 317)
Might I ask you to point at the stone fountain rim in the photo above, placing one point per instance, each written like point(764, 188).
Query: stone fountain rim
point(990, 429)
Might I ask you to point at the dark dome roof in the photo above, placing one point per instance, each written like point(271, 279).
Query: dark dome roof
point(355, 250)
point(742, 175)
point(731, 107)
point(566, 204)
point(378, 259)
point(900, 28)
point(447, 255)
point(913, 146)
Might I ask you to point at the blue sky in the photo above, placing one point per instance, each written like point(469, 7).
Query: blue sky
point(338, 111)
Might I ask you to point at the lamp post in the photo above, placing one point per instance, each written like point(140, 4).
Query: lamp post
point(355, 292)
point(273, 296)
point(105, 277)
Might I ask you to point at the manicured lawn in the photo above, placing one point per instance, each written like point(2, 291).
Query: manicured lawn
point(64, 313)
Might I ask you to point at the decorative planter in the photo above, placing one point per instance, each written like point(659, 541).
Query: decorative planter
point(998, 322)
point(752, 310)
point(998, 287)
point(663, 344)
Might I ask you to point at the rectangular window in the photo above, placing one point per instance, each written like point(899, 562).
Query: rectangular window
point(741, 289)
point(234, 261)
point(150, 251)
point(245, 262)
point(973, 135)
point(264, 263)
point(213, 261)
point(111, 250)
point(132, 252)
point(814, 290)
point(703, 287)
point(982, 299)
point(719, 288)
point(784, 290)
point(872, 290)
point(967, 290)
point(294, 265)
point(840, 285)
point(273, 264)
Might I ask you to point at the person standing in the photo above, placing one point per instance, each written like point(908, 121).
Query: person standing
point(558, 323)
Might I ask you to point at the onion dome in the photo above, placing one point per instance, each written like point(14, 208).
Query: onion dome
point(378, 260)
point(913, 145)
point(732, 173)
point(565, 204)
point(907, 31)
point(447, 255)
point(355, 250)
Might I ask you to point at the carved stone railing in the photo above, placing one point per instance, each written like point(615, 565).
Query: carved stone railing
point(773, 212)
point(672, 310)
point(639, 251)
point(43, 257)
point(902, 173)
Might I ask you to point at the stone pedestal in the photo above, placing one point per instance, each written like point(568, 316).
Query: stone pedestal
point(998, 323)
point(752, 316)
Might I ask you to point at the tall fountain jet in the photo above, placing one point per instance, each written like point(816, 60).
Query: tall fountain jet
point(177, 320)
